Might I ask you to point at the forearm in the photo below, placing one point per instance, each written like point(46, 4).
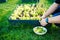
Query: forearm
point(54, 19)
point(51, 9)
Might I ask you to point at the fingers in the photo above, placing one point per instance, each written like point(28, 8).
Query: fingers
point(43, 17)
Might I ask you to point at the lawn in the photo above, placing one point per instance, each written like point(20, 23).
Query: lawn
point(23, 31)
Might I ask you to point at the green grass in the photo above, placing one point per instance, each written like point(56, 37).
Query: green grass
point(22, 32)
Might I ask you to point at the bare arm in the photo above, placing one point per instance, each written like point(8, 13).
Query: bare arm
point(52, 8)
point(54, 19)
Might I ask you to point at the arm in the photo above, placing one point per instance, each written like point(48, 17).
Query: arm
point(50, 10)
point(50, 20)
point(54, 19)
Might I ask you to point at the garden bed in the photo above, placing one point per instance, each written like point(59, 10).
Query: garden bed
point(2, 1)
point(28, 22)
point(27, 13)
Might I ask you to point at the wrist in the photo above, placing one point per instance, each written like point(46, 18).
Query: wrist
point(49, 20)
point(46, 20)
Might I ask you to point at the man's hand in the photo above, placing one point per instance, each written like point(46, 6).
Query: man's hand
point(43, 23)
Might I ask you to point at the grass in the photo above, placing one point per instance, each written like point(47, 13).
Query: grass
point(22, 31)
